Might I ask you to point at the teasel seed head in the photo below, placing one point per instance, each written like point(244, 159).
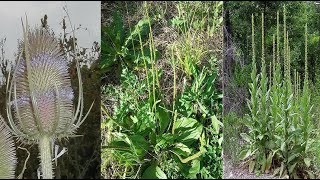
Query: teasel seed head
point(7, 153)
point(39, 95)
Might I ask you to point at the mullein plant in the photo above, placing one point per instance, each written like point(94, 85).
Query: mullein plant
point(8, 158)
point(40, 105)
point(280, 124)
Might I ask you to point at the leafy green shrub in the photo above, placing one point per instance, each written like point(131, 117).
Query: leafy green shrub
point(119, 46)
point(142, 141)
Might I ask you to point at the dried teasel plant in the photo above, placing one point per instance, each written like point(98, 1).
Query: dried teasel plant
point(40, 105)
point(7, 153)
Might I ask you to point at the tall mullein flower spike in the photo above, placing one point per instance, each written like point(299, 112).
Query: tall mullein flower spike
point(40, 96)
point(7, 153)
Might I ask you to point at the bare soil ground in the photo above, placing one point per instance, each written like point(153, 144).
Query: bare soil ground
point(240, 171)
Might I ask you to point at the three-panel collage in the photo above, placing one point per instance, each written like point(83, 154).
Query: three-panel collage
point(160, 90)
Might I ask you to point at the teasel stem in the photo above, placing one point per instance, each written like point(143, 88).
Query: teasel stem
point(45, 156)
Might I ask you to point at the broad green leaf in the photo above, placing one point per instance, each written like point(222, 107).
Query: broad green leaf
point(187, 129)
point(244, 154)
point(154, 172)
point(292, 157)
point(182, 149)
point(164, 119)
point(142, 28)
point(165, 140)
point(139, 145)
point(195, 169)
point(203, 108)
point(307, 161)
point(215, 123)
point(291, 168)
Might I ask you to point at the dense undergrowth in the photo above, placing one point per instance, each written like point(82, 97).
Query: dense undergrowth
point(162, 113)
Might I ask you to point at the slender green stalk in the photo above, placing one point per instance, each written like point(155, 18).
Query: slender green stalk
point(273, 59)
point(264, 85)
point(253, 44)
point(152, 59)
point(254, 85)
point(306, 97)
point(306, 56)
point(145, 64)
point(262, 41)
point(270, 74)
point(284, 38)
point(174, 79)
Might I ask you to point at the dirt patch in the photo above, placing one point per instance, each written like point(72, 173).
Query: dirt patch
point(240, 171)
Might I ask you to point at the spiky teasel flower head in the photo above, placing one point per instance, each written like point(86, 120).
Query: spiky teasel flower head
point(7, 153)
point(40, 90)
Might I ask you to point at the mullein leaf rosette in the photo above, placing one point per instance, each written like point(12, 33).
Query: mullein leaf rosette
point(8, 158)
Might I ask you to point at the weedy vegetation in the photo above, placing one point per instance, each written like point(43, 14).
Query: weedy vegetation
point(162, 119)
point(280, 129)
